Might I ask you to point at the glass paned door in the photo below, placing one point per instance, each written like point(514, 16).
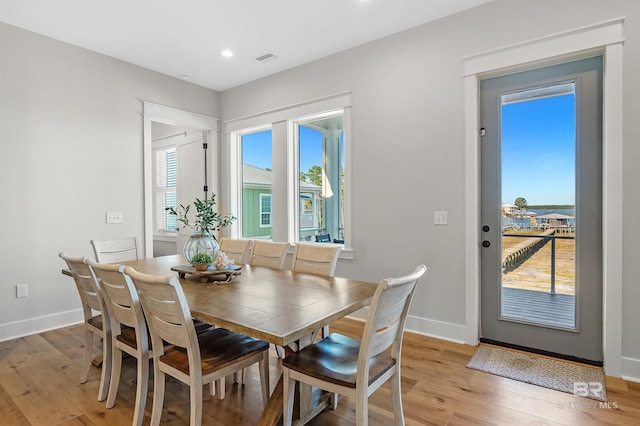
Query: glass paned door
point(541, 209)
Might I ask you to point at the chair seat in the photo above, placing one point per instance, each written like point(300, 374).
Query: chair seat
point(128, 337)
point(218, 348)
point(96, 321)
point(335, 359)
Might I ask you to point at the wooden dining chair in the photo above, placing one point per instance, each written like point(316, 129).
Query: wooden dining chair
point(94, 325)
point(318, 260)
point(195, 359)
point(112, 251)
point(128, 331)
point(237, 250)
point(315, 259)
point(266, 253)
point(356, 368)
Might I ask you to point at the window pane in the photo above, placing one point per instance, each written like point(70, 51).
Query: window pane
point(257, 179)
point(165, 188)
point(321, 165)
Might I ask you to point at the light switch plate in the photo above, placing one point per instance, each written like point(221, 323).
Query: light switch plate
point(114, 217)
point(440, 218)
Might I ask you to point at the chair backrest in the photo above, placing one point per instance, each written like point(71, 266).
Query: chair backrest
point(237, 250)
point(323, 238)
point(113, 251)
point(387, 317)
point(121, 299)
point(266, 253)
point(315, 259)
point(87, 287)
point(167, 312)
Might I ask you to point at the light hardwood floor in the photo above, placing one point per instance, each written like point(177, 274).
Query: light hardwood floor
point(39, 385)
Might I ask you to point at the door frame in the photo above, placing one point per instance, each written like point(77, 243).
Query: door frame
point(606, 39)
point(176, 117)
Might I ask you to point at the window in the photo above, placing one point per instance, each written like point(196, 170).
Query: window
point(265, 210)
point(321, 166)
point(257, 182)
point(165, 189)
point(299, 157)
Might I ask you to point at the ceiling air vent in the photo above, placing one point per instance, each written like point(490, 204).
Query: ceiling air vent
point(266, 57)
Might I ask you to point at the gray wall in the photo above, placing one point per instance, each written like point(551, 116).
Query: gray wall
point(70, 150)
point(408, 143)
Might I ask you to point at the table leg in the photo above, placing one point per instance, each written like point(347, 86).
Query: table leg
point(304, 409)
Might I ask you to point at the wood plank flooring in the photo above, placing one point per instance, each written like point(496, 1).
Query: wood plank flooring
point(39, 385)
point(539, 307)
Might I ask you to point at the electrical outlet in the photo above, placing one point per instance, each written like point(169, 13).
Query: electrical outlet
point(22, 290)
point(440, 218)
point(114, 217)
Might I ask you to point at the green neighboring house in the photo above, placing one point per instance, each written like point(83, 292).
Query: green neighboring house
point(256, 204)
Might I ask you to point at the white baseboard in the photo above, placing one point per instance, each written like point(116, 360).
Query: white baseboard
point(30, 326)
point(438, 329)
point(631, 369)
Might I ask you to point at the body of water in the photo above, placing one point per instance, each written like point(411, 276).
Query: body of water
point(525, 222)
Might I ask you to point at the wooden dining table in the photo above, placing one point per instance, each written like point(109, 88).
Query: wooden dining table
point(278, 306)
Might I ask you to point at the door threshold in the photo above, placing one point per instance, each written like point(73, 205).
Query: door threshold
point(543, 352)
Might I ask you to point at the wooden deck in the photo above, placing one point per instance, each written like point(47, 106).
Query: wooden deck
point(556, 310)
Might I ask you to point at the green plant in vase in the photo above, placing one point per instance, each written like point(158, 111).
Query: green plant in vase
point(203, 223)
point(201, 261)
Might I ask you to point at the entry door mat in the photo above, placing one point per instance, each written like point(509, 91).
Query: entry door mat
point(577, 379)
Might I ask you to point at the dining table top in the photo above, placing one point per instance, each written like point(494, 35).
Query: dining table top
point(277, 306)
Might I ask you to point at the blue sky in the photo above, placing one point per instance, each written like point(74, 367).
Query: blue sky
point(538, 151)
point(256, 149)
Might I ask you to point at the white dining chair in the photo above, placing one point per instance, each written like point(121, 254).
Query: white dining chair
point(94, 325)
point(129, 332)
point(357, 368)
point(112, 251)
point(236, 250)
point(194, 359)
point(269, 254)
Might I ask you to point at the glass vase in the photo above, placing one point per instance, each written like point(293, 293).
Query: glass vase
point(201, 242)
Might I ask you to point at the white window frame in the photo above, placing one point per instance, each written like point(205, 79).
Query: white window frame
point(264, 195)
point(285, 201)
point(163, 147)
point(235, 176)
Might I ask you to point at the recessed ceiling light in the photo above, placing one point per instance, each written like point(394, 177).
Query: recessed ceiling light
point(227, 53)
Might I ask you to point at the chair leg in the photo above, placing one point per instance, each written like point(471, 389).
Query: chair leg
point(88, 354)
point(114, 383)
point(263, 367)
point(325, 331)
point(195, 392)
point(238, 377)
point(142, 387)
point(396, 398)
point(288, 389)
point(362, 407)
point(158, 394)
point(221, 387)
point(107, 357)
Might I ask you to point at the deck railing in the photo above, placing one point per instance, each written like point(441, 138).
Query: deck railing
point(535, 245)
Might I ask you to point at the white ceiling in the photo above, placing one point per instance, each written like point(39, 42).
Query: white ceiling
point(186, 37)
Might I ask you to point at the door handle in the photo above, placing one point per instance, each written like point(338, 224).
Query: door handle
point(486, 243)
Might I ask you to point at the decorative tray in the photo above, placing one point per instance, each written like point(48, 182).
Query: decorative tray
point(212, 272)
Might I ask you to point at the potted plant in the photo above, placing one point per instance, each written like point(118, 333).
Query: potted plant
point(201, 261)
point(202, 223)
